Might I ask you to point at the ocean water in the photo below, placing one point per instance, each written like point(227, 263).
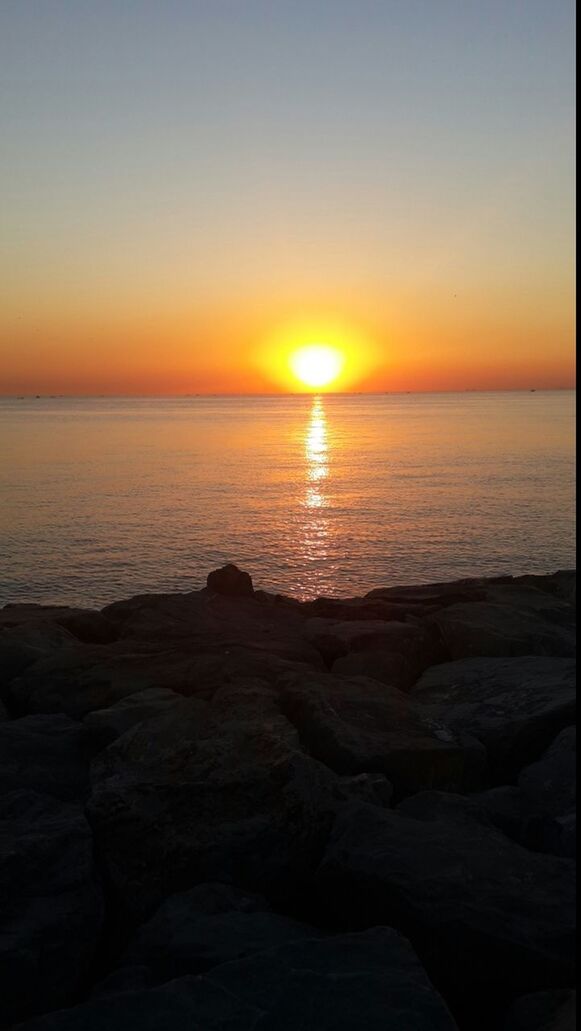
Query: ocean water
point(103, 498)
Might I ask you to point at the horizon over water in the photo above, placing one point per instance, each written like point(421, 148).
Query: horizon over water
point(106, 497)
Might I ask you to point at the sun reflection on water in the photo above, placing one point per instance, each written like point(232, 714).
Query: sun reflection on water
point(317, 455)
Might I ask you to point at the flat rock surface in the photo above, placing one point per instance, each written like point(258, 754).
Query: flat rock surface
point(371, 980)
point(514, 706)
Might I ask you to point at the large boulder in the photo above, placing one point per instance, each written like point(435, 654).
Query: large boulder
point(543, 1011)
point(230, 580)
point(392, 668)
point(44, 753)
point(194, 931)
point(413, 646)
point(513, 706)
point(187, 1004)
point(482, 911)
point(86, 625)
point(104, 726)
point(341, 609)
point(52, 906)
point(549, 788)
point(204, 792)
point(371, 980)
point(208, 622)
point(357, 725)
point(24, 644)
point(507, 627)
point(550, 784)
point(78, 678)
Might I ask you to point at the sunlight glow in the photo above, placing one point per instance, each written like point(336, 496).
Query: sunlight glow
point(316, 365)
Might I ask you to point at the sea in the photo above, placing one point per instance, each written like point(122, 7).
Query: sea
point(103, 498)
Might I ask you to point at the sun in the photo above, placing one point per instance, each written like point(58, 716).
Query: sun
point(317, 365)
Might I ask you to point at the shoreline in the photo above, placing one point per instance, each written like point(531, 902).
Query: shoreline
point(216, 798)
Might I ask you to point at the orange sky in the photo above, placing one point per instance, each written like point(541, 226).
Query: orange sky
point(187, 197)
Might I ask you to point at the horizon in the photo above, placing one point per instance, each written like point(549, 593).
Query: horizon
point(195, 193)
point(314, 394)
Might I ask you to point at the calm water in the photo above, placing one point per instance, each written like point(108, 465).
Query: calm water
point(103, 498)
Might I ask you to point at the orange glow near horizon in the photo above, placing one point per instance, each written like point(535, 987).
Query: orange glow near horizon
point(248, 348)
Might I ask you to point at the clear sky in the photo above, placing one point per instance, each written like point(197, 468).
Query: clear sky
point(191, 186)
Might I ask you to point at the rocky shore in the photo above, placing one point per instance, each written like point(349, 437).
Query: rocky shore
point(231, 811)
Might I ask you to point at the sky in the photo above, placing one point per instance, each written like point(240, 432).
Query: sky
point(191, 189)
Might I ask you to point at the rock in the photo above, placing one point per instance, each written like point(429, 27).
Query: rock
point(21, 646)
point(195, 795)
point(481, 911)
point(367, 787)
point(509, 811)
point(44, 753)
point(549, 788)
point(552, 595)
point(502, 630)
point(52, 907)
point(423, 597)
point(231, 581)
point(81, 680)
point(551, 783)
point(240, 801)
point(561, 836)
point(371, 980)
point(358, 725)
point(544, 1011)
point(106, 725)
point(341, 609)
point(86, 625)
point(76, 679)
point(390, 668)
point(563, 584)
point(16, 656)
point(513, 706)
point(204, 622)
point(182, 938)
point(188, 1004)
point(412, 646)
point(517, 816)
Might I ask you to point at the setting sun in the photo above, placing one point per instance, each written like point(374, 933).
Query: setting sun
point(317, 365)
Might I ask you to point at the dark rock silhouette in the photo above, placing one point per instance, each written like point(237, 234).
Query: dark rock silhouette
point(480, 908)
point(52, 906)
point(514, 706)
point(231, 581)
point(544, 1011)
point(371, 980)
point(222, 809)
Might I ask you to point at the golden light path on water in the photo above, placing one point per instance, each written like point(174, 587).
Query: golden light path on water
point(316, 532)
point(316, 453)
